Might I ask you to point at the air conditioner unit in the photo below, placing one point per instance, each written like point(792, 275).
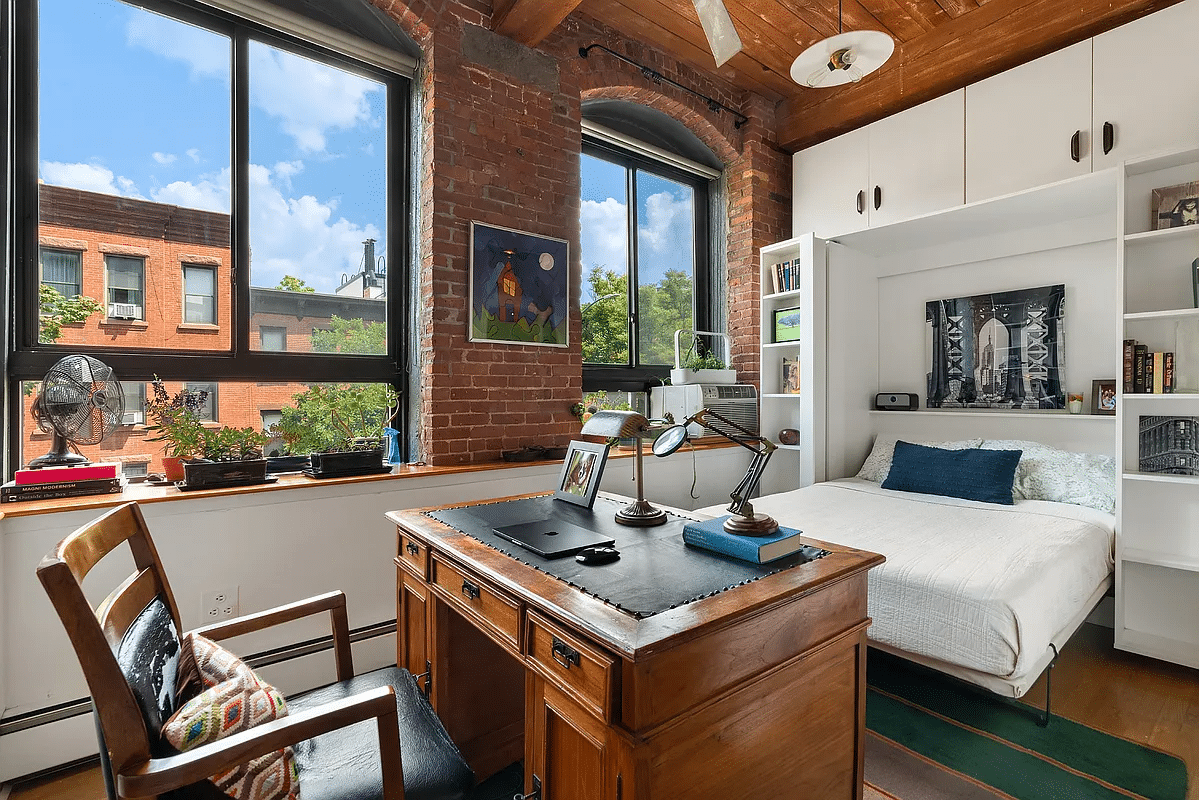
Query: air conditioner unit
point(124, 311)
point(736, 402)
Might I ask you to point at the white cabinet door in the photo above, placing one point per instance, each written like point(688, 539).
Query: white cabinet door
point(1029, 126)
point(917, 160)
point(826, 181)
point(1145, 87)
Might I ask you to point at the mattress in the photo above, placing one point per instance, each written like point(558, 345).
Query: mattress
point(975, 585)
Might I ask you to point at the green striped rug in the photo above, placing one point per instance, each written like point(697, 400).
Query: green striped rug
point(932, 736)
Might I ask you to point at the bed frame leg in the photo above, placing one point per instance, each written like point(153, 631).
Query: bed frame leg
point(1043, 721)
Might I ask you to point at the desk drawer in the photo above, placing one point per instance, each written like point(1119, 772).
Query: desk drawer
point(498, 613)
point(413, 555)
point(578, 668)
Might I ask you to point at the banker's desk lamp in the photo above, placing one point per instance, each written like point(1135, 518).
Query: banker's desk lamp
point(743, 520)
point(628, 425)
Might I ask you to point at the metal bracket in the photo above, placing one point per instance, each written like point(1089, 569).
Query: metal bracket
point(533, 795)
point(428, 676)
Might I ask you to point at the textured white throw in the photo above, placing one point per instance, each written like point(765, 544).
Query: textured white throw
point(974, 584)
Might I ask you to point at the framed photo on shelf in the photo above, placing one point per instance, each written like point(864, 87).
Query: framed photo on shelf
point(1174, 206)
point(581, 473)
point(790, 376)
point(1103, 396)
point(786, 324)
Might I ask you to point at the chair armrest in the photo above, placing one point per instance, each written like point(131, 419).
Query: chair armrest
point(159, 775)
point(333, 602)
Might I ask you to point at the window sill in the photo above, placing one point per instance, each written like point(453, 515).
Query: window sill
point(142, 493)
point(124, 323)
point(196, 327)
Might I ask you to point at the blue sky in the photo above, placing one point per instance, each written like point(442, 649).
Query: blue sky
point(664, 221)
point(135, 104)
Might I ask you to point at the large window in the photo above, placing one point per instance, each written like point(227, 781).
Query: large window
point(225, 172)
point(646, 270)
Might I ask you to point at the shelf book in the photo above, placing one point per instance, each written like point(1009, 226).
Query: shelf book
point(83, 472)
point(1146, 372)
point(13, 492)
point(784, 276)
point(711, 535)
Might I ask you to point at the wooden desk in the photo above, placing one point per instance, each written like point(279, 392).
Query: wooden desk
point(758, 691)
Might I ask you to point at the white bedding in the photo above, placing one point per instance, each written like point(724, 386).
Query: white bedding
point(971, 584)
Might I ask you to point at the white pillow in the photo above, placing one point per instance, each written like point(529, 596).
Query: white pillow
point(877, 466)
point(1061, 476)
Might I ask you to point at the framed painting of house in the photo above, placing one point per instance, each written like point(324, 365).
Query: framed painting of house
point(519, 287)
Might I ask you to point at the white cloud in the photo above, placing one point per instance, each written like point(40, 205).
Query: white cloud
point(286, 170)
point(88, 177)
point(210, 193)
point(603, 241)
point(668, 225)
point(164, 158)
point(206, 53)
point(194, 154)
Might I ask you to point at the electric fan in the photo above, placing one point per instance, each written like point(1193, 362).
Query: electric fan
point(80, 403)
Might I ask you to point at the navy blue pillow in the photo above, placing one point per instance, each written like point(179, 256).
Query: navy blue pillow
point(984, 475)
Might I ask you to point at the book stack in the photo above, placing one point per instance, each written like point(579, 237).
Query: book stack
point(1147, 372)
point(54, 483)
point(711, 535)
point(785, 276)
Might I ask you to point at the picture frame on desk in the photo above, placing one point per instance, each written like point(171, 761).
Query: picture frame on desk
point(786, 324)
point(581, 472)
point(1103, 397)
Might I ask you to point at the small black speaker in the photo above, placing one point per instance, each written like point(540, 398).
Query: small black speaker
point(896, 401)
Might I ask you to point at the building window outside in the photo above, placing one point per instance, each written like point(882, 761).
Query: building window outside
point(135, 469)
point(135, 402)
point(209, 412)
point(199, 295)
point(62, 271)
point(646, 265)
point(126, 282)
point(272, 338)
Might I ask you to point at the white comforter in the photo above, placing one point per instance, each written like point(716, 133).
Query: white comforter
point(974, 584)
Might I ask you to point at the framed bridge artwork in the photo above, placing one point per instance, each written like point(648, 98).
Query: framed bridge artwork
point(1000, 350)
point(519, 287)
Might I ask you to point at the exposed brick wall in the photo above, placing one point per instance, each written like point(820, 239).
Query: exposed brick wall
point(501, 141)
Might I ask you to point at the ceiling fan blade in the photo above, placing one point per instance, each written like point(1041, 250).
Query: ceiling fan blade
point(718, 27)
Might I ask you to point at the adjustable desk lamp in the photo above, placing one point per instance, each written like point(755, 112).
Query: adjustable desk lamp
point(744, 521)
point(626, 425)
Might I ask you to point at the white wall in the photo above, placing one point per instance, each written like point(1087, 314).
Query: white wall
point(276, 547)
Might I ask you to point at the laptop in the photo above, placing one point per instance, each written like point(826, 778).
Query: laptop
point(552, 538)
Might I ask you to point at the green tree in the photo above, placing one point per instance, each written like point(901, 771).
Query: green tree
point(292, 284)
point(56, 309)
point(351, 336)
point(663, 308)
point(605, 320)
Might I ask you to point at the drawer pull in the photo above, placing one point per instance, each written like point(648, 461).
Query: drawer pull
point(1075, 146)
point(861, 200)
point(533, 795)
point(413, 549)
point(470, 590)
point(564, 654)
point(1109, 137)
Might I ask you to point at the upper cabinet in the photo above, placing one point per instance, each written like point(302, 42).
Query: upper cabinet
point(899, 167)
point(1146, 95)
point(1029, 126)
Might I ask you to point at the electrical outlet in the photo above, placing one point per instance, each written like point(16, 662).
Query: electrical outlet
point(218, 604)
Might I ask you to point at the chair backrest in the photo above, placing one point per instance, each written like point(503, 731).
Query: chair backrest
point(129, 645)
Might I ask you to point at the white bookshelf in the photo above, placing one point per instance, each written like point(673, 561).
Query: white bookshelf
point(794, 465)
point(1157, 547)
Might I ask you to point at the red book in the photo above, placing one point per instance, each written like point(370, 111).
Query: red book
point(86, 472)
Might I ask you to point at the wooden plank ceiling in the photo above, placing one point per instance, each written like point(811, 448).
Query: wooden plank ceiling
point(940, 45)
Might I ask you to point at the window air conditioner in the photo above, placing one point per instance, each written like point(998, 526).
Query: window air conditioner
point(124, 311)
point(735, 402)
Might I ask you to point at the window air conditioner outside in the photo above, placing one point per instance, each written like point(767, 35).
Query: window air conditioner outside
point(124, 311)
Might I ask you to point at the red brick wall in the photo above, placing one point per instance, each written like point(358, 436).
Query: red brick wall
point(501, 139)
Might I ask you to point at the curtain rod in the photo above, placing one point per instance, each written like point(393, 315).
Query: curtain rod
point(657, 77)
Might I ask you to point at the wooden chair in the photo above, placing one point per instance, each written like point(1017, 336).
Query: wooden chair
point(129, 650)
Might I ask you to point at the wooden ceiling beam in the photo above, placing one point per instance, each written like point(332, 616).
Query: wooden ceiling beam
point(996, 36)
point(529, 21)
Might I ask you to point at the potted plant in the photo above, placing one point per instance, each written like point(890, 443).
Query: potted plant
point(175, 420)
point(699, 364)
point(340, 427)
point(227, 457)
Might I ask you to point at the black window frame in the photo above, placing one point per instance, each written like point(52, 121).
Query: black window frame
point(211, 270)
point(29, 360)
point(632, 376)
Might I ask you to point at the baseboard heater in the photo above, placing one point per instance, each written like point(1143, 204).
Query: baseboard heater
point(76, 708)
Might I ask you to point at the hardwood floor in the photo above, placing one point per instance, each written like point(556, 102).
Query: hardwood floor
point(1139, 698)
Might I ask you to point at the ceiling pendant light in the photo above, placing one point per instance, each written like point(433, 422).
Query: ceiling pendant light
point(844, 58)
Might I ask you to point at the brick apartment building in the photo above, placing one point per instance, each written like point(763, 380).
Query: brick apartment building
point(162, 275)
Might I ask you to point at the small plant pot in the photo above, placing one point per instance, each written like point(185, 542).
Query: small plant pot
point(202, 474)
point(172, 468)
point(342, 465)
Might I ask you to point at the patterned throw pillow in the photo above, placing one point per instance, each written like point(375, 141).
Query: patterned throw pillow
point(235, 699)
point(878, 464)
point(1061, 476)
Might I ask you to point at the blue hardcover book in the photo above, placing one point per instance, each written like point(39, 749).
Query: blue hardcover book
point(710, 535)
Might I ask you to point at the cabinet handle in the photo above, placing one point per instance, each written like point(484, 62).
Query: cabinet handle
point(413, 549)
point(533, 795)
point(878, 197)
point(470, 590)
point(564, 654)
point(861, 201)
point(1074, 141)
point(1109, 137)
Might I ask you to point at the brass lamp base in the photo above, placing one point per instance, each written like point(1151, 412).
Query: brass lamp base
point(757, 525)
point(641, 514)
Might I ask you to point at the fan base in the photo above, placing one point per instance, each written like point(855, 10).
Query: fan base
point(56, 460)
